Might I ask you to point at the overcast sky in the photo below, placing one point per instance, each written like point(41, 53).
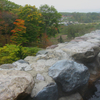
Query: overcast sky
point(65, 5)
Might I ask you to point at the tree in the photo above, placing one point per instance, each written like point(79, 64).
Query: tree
point(6, 5)
point(33, 21)
point(18, 37)
point(6, 24)
point(51, 18)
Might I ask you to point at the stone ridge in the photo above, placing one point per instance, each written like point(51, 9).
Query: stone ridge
point(74, 61)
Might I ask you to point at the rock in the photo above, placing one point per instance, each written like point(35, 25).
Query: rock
point(54, 54)
point(22, 61)
point(7, 66)
point(50, 92)
point(94, 66)
point(40, 73)
point(88, 56)
point(14, 84)
point(40, 77)
point(69, 74)
point(82, 51)
point(22, 65)
point(75, 96)
point(41, 52)
point(30, 59)
point(85, 48)
point(42, 65)
point(41, 83)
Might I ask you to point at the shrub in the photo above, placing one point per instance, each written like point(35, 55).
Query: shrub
point(11, 53)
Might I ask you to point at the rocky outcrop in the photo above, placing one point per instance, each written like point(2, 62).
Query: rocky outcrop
point(66, 65)
point(13, 84)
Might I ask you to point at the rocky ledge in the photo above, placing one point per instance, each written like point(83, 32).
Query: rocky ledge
point(61, 72)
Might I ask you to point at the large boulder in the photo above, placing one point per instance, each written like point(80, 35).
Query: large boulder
point(82, 51)
point(69, 74)
point(14, 84)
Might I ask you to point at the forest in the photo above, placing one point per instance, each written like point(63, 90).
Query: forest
point(24, 30)
point(24, 25)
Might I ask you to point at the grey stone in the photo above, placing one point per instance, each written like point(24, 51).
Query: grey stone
point(30, 59)
point(69, 74)
point(22, 65)
point(41, 52)
point(22, 61)
point(50, 92)
point(40, 77)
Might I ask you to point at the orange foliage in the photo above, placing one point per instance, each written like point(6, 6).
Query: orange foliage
point(18, 32)
point(56, 28)
point(19, 26)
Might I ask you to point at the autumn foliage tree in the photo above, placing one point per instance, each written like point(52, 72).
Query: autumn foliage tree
point(19, 32)
point(33, 21)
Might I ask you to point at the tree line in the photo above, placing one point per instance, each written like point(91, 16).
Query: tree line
point(24, 25)
point(82, 17)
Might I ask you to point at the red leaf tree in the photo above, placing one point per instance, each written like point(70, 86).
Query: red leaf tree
point(19, 32)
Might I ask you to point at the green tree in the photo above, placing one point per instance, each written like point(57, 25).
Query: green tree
point(51, 18)
point(33, 21)
point(6, 5)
